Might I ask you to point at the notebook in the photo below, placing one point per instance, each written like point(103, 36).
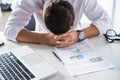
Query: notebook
point(24, 64)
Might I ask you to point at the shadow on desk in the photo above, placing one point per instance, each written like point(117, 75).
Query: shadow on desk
point(57, 76)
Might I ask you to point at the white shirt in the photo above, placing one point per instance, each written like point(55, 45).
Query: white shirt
point(25, 8)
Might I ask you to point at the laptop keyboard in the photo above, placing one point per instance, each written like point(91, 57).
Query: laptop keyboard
point(12, 69)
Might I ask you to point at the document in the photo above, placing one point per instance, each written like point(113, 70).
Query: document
point(82, 58)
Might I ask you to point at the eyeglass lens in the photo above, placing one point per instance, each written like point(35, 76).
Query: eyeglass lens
point(111, 33)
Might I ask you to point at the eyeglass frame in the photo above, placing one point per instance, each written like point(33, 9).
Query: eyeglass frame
point(110, 40)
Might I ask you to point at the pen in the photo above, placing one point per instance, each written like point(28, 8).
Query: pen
point(57, 57)
point(1, 43)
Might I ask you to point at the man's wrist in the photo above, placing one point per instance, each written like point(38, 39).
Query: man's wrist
point(81, 35)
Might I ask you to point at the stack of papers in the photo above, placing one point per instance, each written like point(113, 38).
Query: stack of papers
point(82, 58)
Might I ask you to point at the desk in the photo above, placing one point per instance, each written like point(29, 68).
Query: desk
point(108, 51)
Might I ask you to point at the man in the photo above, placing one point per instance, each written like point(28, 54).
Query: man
point(42, 12)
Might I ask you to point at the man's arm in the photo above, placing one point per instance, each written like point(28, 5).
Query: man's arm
point(91, 31)
point(97, 15)
point(71, 37)
point(32, 37)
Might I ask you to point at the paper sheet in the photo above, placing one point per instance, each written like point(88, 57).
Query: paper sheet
point(82, 58)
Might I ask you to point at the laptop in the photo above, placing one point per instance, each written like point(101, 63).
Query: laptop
point(24, 64)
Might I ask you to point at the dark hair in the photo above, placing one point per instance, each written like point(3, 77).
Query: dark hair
point(59, 17)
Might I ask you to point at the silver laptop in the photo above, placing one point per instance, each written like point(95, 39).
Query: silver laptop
point(24, 64)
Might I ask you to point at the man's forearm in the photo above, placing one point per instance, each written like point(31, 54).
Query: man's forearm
point(91, 31)
point(32, 37)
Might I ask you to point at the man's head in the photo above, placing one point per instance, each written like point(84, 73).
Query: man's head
point(58, 16)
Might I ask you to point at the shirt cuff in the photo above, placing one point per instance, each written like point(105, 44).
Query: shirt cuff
point(102, 26)
point(12, 33)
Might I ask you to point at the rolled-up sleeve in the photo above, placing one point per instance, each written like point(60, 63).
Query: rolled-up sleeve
point(19, 18)
point(97, 15)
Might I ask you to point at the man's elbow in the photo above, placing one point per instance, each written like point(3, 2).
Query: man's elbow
point(9, 33)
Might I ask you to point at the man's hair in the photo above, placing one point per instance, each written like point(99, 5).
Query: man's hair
point(59, 17)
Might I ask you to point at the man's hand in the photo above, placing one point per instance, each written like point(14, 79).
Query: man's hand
point(49, 39)
point(67, 39)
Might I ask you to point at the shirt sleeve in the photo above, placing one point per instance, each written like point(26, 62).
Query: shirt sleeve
point(19, 18)
point(97, 15)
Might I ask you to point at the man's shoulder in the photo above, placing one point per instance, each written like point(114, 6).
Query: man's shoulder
point(30, 1)
point(33, 3)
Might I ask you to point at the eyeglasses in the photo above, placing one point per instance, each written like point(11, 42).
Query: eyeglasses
point(111, 36)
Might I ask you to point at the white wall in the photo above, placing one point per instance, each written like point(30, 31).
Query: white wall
point(117, 16)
